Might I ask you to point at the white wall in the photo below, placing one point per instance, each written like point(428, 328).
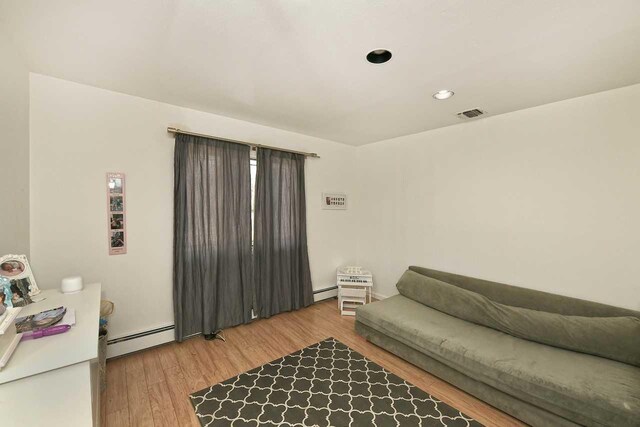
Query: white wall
point(78, 133)
point(547, 198)
point(14, 149)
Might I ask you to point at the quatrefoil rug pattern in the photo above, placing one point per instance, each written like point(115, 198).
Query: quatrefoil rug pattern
point(325, 384)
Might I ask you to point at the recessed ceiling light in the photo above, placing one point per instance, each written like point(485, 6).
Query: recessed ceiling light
point(379, 56)
point(443, 94)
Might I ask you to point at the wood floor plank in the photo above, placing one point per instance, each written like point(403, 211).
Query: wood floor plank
point(117, 387)
point(240, 360)
point(211, 372)
point(179, 391)
point(241, 335)
point(118, 418)
point(167, 355)
point(276, 336)
point(192, 370)
point(152, 367)
point(137, 392)
point(172, 371)
point(256, 355)
point(164, 414)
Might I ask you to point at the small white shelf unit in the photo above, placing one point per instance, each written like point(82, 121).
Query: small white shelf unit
point(354, 289)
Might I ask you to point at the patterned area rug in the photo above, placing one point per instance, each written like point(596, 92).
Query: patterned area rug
point(325, 384)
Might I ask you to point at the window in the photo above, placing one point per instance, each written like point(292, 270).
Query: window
point(253, 165)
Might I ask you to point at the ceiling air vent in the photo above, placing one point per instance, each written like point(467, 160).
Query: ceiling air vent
point(471, 114)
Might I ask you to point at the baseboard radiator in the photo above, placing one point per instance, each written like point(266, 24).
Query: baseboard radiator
point(158, 336)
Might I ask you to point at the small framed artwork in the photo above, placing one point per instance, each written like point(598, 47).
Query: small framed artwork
point(116, 221)
point(116, 203)
point(116, 214)
point(117, 239)
point(334, 201)
point(16, 270)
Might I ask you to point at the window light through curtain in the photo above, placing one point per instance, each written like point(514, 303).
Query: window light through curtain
point(253, 165)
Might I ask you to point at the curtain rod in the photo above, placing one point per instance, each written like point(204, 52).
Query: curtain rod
point(250, 144)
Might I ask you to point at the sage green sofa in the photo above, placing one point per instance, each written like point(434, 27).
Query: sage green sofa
point(540, 384)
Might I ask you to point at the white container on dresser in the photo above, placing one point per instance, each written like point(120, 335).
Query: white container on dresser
point(53, 381)
point(354, 289)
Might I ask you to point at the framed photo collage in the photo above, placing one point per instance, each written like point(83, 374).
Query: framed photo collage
point(117, 216)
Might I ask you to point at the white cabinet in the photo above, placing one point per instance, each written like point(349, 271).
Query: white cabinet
point(59, 374)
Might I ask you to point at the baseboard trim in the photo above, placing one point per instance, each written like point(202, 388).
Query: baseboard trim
point(379, 296)
point(330, 288)
point(326, 293)
point(140, 341)
point(158, 336)
point(141, 334)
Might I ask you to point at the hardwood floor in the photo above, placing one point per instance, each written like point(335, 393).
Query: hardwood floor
point(151, 388)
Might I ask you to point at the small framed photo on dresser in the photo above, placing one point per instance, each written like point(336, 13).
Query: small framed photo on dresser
point(116, 213)
point(17, 283)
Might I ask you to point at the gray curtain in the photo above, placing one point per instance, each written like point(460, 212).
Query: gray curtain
point(212, 287)
point(281, 262)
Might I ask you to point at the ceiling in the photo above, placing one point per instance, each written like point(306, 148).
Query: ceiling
point(300, 65)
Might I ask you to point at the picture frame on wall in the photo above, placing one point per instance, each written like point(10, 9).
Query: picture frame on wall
point(116, 213)
point(116, 203)
point(16, 270)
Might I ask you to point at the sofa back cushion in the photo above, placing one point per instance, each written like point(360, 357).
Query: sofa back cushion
point(527, 298)
point(616, 338)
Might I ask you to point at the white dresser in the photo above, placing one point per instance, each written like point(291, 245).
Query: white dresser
point(53, 381)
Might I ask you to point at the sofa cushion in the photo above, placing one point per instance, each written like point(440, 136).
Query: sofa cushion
point(616, 338)
point(561, 381)
point(516, 296)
